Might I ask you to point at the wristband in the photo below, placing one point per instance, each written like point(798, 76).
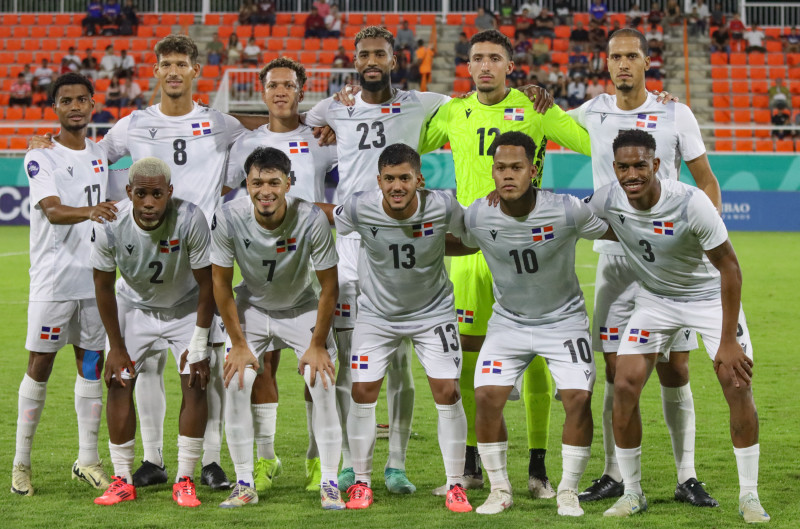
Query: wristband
point(198, 346)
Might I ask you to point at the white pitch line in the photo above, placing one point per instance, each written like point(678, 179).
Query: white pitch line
point(11, 254)
point(585, 266)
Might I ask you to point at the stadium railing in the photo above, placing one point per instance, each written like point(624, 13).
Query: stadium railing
point(783, 14)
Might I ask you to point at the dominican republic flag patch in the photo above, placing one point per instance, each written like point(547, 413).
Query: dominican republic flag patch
point(359, 361)
point(169, 246)
point(97, 165)
point(422, 230)
point(201, 129)
point(50, 333)
point(609, 334)
point(514, 114)
point(390, 108)
point(288, 245)
point(298, 147)
point(639, 336)
point(492, 366)
point(342, 310)
point(663, 228)
point(646, 122)
point(544, 233)
point(465, 316)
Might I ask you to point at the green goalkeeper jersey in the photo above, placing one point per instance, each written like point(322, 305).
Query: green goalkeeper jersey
point(471, 127)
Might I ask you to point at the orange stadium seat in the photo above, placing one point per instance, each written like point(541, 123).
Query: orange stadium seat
point(280, 31)
point(744, 145)
point(6, 58)
point(261, 31)
point(760, 101)
point(13, 44)
point(294, 44)
point(741, 116)
point(778, 72)
point(391, 19)
point(773, 47)
point(761, 133)
point(244, 33)
point(168, 19)
point(563, 32)
point(354, 18)
point(775, 59)
point(297, 32)
point(49, 44)
point(162, 31)
point(719, 59)
point(312, 44)
point(764, 146)
point(3, 142)
point(784, 146)
point(758, 72)
point(718, 72)
point(32, 114)
point(350, 31)
point(145, 31)
point(213, 19)
point(462, 85)
point(722, 116)
point(759, 87)
point(723, 133)
point(455, 19)
point(740, 87)
point(429, 19)
point(462, 71)
point(73, 32)
point(101, 85)
point(49, 114)
point(121, 44)
point(559, 57)
point(300, 19)
point(10, 20)
point(18, 144)
point(275, 44)
point(326, 57)
point(561, 45)
point(580, 17)
point(794, 73)
point(374, 19)
point(756, 58)
point(308, 57)
point(721, 101)
point(211, 71)
point(186, 19)
point(280, 19)
point(224, 32)
point(268, 56)
point(14, 114)
point(738, 59)
point(743, 133)
point(330, 44)
point(39, 32)
point(30, 44)
point(739, 73)
point(508, 31)
point(793, 59)
point(741, 101)
point(27, 20)
point(205, 85)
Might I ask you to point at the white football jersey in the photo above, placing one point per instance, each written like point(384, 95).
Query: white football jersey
point(401, 264)
point(532, 259)
point(275, 264)
point(310, 162)
point(364, 130)
point(666, 244)
point(156, 266)
point(195, 146)
point(673, 126)
point(59, 270)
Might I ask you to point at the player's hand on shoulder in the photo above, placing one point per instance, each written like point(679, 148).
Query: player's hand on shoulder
point(198, 372)
point(325, 135)
point(41, 142)
point(104, 212)
point(117, 361)
point(238, 359)
point(733, 363)
point(319, 361)
point(493, 198)
point(542, 99)
point(464, 96)
point(347, 95)
point(665, 97)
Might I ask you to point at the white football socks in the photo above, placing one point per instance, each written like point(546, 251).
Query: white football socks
point(493, 457)
point(312, 451)
point(215, 392)
point(344, 384)
point(239, 426)
point(452, 431)
point(325, 425)
point(89, 408)
point(747, 465)
point(29, 410)
point(400, 400)
point(573, 462)
point(189, 451)
point(630, 466)
point(265, 418)
point(151, 405)
point(361, 431)
point(122, 459)
point(678, 406)
point(611, 468)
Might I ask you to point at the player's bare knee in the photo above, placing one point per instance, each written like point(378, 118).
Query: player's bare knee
point(40, 365)
point(366, 392)
point(445, 391)
point(675, 373)
point(491, 399)
point(576, 402)
point(472, 343)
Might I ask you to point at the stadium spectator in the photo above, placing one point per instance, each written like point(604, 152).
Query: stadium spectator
point(545, 24)
point(89, 65)
point(655, 15)
point(656, 63)
point(778, 94)
point(720, 40)
point(114, 93)
point(537, 76)
point(673, 13)
point(736, 27)
point(540, 51)
point(522, 51)
point(484, 20)
point(109, 64)
point(702, 15)
point(516, 78)
point(215, 51)
point(781, 116)
point(246, 11)
point(323, 7)
point(595, 88)
point(399, 73)
point(234, 50)
point(26, 71)
point(655, 38)
point(532, 7)
point(461, 49)
point(315, 25)
point(506, 13)
point(755, 40)
point(597, 66)
point(21, 92)
point(576, 92)
point(73, 61)
point(635, 16)
point(579, 37)
point(597, 37)
point(524, 25)
point(424, 62)
point(578, 63)
point(264, 13)
point(112, 18)
point(43, 76)
point(132, 94)
point(130, 19)
point(103, 116)
point(717, 17)
point(405, 39)
point(695, 23)
point(251, 55)
point(599, 12)
point(93, 19)
point(333, 23)
point(342, 56)
point(338, 80)
point(127, 65)
point(791, 42)
point(563, 11)
point(614, 28)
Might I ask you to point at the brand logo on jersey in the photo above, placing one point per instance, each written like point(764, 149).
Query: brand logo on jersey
point(246, 243)
point(298, 147)
point(494, 367)
point(422, 230)
point(289, 245)
point(390, 108)
point(129, 247)
point(603, 117)
point(465, 316)
point(152, 132)
point(646, 122)
point(201, 129)
point(32, 168)
point(544, 233)
point(639, 336)
point(622, 218)
point(663, 228)
point(342, 310)
point(514, 114)
point(50, 333)
point(98, 166)
point(493, 233)
point(350, 111)
point(468, 112)
point(359, 361)
point(609, 333)
point(69, 170)
point(374, 231)
point(169, 246)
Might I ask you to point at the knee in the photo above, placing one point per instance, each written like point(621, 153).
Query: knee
point(611, 367)
point(486, 402)
point(674, 373)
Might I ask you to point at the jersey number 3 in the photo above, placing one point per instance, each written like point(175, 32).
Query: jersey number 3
point(378, 143)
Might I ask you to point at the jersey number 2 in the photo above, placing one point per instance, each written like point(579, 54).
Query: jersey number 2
point(363, 128)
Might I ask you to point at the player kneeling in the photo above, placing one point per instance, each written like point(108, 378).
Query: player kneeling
point(405, 293)
point(161, 246)
point(529, 245)
point(276, 239)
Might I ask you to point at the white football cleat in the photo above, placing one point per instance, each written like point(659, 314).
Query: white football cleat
point(497, 502)
point(568, 504)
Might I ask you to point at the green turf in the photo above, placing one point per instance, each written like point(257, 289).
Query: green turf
point(769, 262)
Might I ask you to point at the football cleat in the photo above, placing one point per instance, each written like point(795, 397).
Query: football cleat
point(751, 510)
point(692, 491)
point(184, 494)
point(149, 474)
point(213, 476)
point(498, 501)
point(93, 474)
point(264, 472)
point(540, 488)
point(457, 499)
point(568, 504)
point(600, 489)
point(330, 497)
point(241, 495)
point(468, 483)
point(313, 474)
point(346, 479)
point(360, 496)
point(119, 491)
point(630, 503)
point(21, 480)
point(397, 482)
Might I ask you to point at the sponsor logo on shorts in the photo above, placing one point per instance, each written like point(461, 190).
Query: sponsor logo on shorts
point(288, 245)
point(359, 361)
point(342, 310)
point(494, 367)
point(422, 230)
point(50, 333)
point(545, 233)
point(609, 334)
point(663, 228)
point(639, 336)
point(588, 373)
point(465, 316)
point(173, 245)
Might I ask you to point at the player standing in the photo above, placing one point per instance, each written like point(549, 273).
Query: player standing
point(677, 137)
point(68, 187)
point(678, 247)
point(275, 239)
point(161, 247)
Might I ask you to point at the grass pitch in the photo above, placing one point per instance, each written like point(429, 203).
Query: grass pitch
point(769, 263)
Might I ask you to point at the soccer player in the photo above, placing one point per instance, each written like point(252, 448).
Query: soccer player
point(275, 240)
point(678, 247)
point(677, 137)
point(470, 125)
point(161, 247)
point(529, 245)
point(405, 294)
point(68, 187)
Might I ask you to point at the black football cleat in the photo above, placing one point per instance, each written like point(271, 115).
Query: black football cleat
point(213, 476)
point(692, 491)
point(149, 474)
point(600, 489)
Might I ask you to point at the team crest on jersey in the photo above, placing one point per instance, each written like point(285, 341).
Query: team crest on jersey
point(287, 245)
point(359, 361)
point(514, 114)
point(342, 310)
point(465, 316)
point(646, 122)
point(422, 230)
point(638, 336)
point(609, 334)
point(201, 129)
point(98, 166)
point(390, 108)
point(494, 367)
point(169, 246)
point(544, 233)
point(663, 228)
point(32, 168)
point(50, 333)
point(298, 147)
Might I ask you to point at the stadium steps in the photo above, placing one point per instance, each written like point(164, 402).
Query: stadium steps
point(443, 64)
